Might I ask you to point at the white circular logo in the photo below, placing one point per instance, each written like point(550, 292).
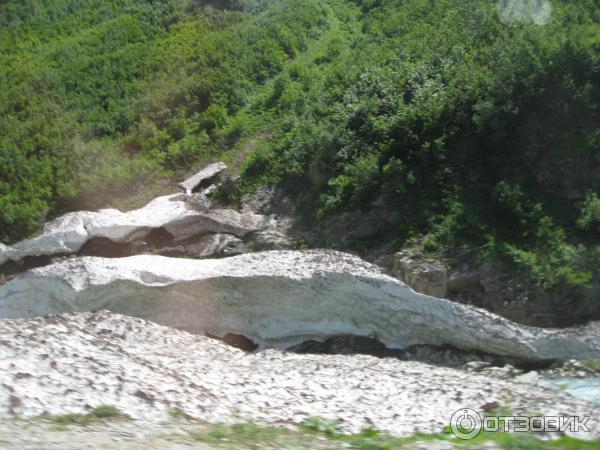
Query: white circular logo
point(465, 423)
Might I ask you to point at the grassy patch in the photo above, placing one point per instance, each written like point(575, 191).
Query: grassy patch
point(592, 364)
point(316, 434)
point(100, 412)
point(178, 414)
point(327, 427)
point(250, 436)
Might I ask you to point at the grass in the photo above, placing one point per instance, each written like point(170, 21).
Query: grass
point(325, 434)
point(177, 414)
point(371, 439)
point(98, 413)
point(319, 434)
point(247, 435)
point(592, 364)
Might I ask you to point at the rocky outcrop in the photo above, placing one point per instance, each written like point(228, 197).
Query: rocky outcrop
point(424, 275)
point(461, 281)
point(211, 245)
point(267, 200)
point(180, 216)
point(497, 288)
point(203, 176)
point(271, 201)
point(270, 239)
point(280, 298)
point(4, 255)
point(73, 363)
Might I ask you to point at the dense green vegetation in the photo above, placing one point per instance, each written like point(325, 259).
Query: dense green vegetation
point(99, 95)
point(474, 129)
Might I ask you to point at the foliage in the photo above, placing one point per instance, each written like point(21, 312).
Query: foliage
point(99, 97)
point(327, 427)
point(590, 213)
point(453, 118)
point(474, 130)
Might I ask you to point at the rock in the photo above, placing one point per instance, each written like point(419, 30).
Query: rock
point(382, 259)
point(227, 245)
point(588, 368)
point(529, 377)
point(347, 229)
point(346, 345)
point(280, 298)
point(490, 406)
point(461, 281)
point(80, 361)
point(493, 277)
point(573, 365)
point(230, 185)
point(198, 202)
point(212, 245)
point(202, 177)
point(476, 366)
point(506, 372)
point(270, 239)
point(512, 370)
point(495, 287)
point(224, 221)
point(497, 372)
point(423, 275)
point(267, 200)
point(439, 356)
point(178, 215)
point(3, 254)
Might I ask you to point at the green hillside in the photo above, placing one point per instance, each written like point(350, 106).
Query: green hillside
point(477, 122)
